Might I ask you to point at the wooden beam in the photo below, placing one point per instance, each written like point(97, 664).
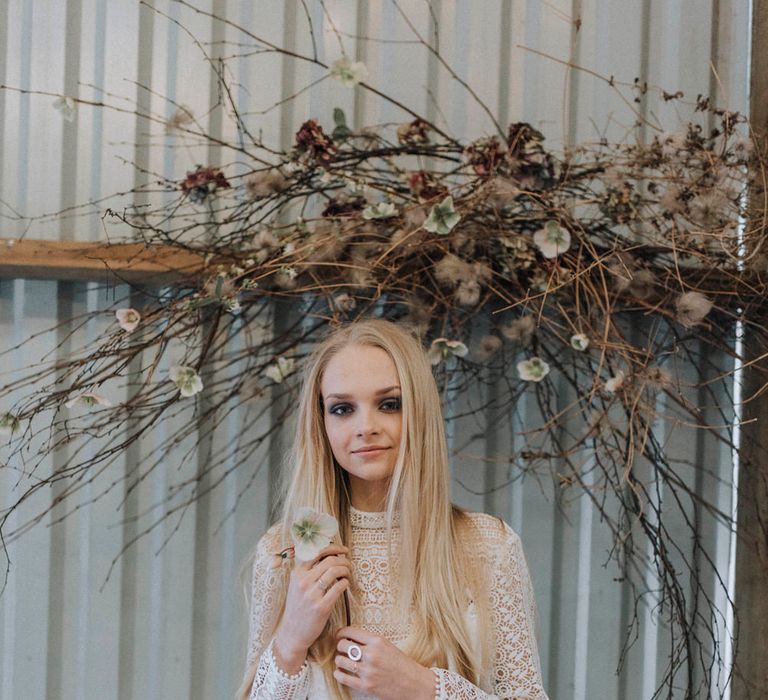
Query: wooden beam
point(751, 594)
point(84, 261)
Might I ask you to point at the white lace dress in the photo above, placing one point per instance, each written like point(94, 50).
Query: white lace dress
point(515, 673)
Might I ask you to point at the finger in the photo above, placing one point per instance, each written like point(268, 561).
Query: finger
point(329, 574)
point(335, 591)
point(344, 644)
point(356, 634)
point(348, 679)
point(331, 549)
point(347, 665)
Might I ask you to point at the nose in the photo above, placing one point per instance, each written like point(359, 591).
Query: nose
point(367, 423)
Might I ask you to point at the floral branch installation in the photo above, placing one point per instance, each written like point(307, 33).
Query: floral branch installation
point(593, 281)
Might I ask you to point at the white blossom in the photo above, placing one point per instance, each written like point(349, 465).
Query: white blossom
point(552, 239)
point(89, 399)
point(128, 319)
point(312, 532)
point(186, 379)
point(283, 368)
point(442, 348)
point(349, 73)
point(383, 210)
point(66, 107)
point(533, 370)
point(579, 342)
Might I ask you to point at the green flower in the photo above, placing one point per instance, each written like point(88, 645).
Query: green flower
point(311, 532)
point(442, 217)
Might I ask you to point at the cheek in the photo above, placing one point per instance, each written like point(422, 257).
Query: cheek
point(336, 435)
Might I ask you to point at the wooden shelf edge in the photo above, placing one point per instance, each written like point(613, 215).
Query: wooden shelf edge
point(95, 261)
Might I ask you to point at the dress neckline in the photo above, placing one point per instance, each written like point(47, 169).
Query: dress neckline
point(371, 520)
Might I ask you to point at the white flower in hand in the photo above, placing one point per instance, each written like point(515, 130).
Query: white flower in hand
point(311, 532)
point(533, 370)
point(128, 319)
point(552, 240)
point(349, 73)
point(186, 379)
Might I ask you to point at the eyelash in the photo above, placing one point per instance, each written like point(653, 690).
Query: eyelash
point(396, 405)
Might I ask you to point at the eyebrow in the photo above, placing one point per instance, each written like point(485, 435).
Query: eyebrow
point(378, 393)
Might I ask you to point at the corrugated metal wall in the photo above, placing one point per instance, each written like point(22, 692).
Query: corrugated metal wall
point(170, 620)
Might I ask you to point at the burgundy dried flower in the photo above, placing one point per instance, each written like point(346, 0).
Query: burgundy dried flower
point(344, 206)
point(202, 182)
point(425, 186)
point(415, 132)
point(314, 143)
point(484, 155)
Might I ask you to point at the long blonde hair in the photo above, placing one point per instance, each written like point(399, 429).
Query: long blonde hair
point(438, 573)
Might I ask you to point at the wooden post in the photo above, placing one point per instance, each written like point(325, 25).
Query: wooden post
point(751, 595)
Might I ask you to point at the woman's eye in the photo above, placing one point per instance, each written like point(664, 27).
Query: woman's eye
point(391, 405)
point(340, 409)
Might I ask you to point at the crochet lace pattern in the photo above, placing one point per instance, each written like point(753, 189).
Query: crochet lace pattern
point(515, 672)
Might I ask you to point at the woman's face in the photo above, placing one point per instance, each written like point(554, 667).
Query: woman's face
point(363, 419)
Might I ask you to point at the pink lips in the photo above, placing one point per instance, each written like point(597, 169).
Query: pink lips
point(372, 448)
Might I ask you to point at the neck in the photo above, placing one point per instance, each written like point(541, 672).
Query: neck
point(368, 496)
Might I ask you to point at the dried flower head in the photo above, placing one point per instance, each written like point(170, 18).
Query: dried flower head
point(615, 383)
point(692, 307)
point(415, 132)
point(199, 184)
point(489, 346)
point(266, 183)
point(182, 116)
point(520, 330)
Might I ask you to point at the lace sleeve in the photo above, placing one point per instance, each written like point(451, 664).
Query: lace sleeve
point(516, 671)
point(267, 584)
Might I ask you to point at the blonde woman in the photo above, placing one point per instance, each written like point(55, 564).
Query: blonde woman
point(440, 599)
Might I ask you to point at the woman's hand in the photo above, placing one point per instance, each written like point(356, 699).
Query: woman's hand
point(383, 670)
point(313, 590)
